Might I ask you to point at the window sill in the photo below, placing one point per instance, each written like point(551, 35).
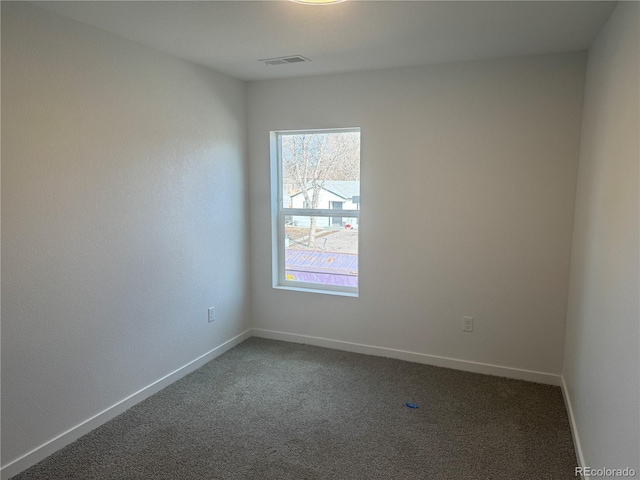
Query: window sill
point(314, 290)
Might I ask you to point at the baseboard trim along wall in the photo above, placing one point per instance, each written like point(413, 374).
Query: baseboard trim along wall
point(572, 423)
point(435, 360)
point(43, 451)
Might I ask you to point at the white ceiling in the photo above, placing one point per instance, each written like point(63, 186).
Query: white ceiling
point(230, 36)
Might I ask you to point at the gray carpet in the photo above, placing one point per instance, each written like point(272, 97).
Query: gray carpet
point(276, 410)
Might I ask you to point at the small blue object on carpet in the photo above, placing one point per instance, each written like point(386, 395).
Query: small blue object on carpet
point(411, 405)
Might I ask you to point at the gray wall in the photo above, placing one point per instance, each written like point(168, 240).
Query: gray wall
point(123, 219)
point(602, 354)
point(124, 206)
point(467, 188)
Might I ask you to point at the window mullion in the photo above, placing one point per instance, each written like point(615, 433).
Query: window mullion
point(320, 212)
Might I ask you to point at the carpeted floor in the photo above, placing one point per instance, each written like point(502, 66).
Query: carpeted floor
point(276, 410)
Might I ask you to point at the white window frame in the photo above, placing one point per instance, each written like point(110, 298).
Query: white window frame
point(279, 212)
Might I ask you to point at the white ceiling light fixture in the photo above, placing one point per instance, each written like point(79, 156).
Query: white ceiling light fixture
point(318, 2)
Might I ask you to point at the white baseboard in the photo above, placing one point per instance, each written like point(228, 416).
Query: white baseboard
point(43, 451)
point(435, 360)
point(572, 423)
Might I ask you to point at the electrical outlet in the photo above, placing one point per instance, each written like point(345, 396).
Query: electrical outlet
point(467, 324)
point(212, 314)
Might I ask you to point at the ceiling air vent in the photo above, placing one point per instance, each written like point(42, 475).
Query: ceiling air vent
point(284, 60)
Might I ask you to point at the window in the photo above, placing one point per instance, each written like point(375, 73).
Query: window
point(315, 173)
point(336, 206)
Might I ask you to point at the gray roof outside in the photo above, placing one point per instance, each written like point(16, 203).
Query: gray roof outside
point(346, 189)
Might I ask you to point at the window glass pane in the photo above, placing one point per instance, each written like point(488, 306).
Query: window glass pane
point(319, 251)
point(319, 168)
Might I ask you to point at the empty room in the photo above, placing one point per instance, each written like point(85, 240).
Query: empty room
point(320, 240)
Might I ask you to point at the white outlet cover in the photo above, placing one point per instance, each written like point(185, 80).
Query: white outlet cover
point(467, 324)
point(212, 314)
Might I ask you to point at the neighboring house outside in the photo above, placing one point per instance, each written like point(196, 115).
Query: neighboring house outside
point(342, 195)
